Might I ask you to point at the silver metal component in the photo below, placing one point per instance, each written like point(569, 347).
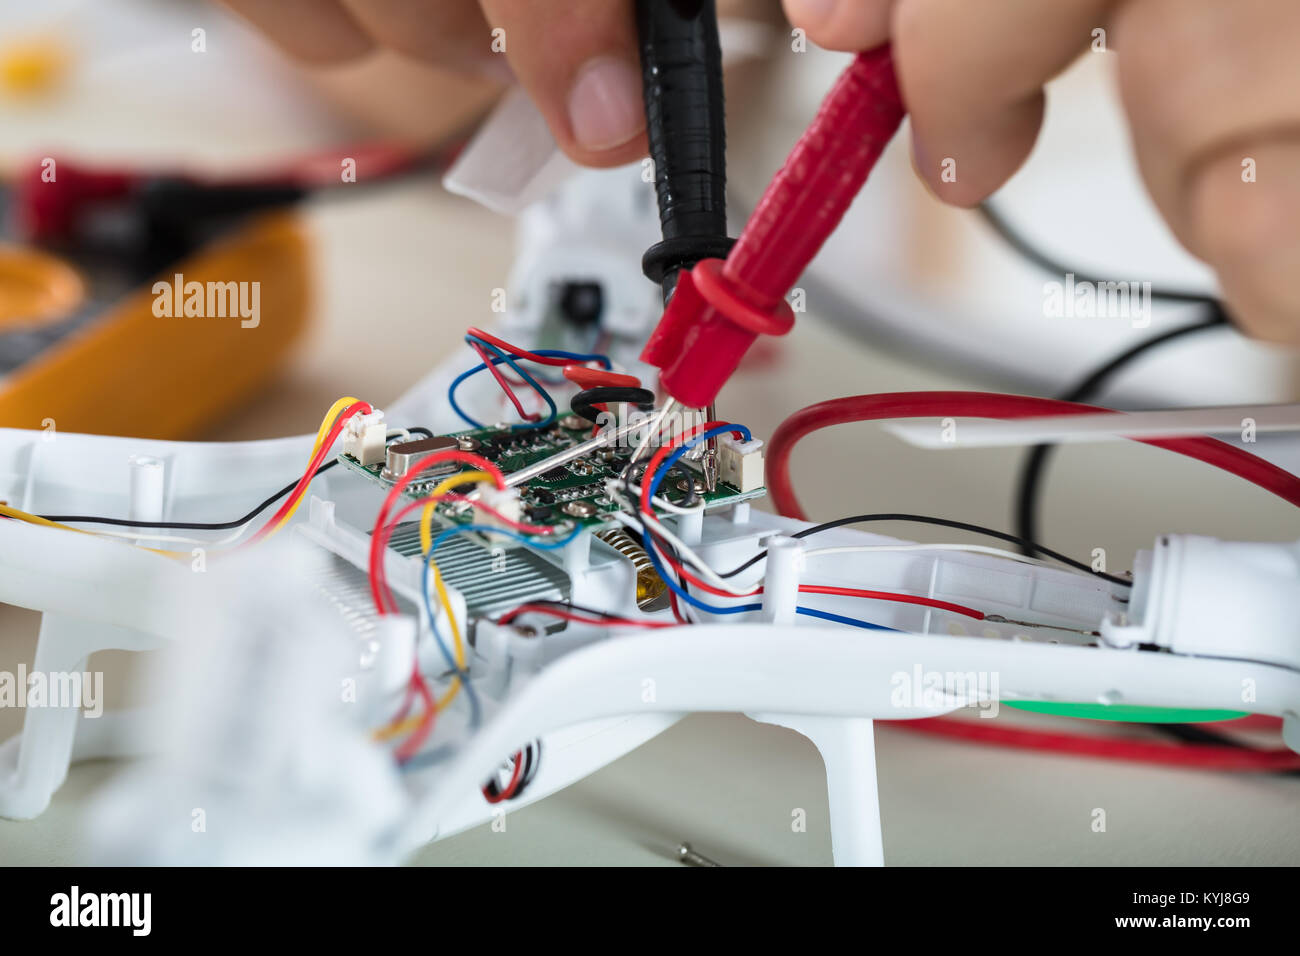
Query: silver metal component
point(402, 455)
point(694, 485)
point(574, 423)
point(468, 443)
point(579, 509)
point(492, 580)
point(525, 475)
point(686, 854)
point(582, 468)
point(710, 462)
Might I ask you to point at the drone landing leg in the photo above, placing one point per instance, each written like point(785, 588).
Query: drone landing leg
point(848, 749)
point(34, 763)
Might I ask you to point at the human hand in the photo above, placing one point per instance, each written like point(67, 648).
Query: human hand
point(1206, 85)
point(577, 58)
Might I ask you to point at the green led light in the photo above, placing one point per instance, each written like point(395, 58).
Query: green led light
point(1128, 712)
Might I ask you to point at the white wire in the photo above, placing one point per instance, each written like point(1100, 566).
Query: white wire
point(615, 485)
point(687, 554)
point(177, 538)
point(974, 548)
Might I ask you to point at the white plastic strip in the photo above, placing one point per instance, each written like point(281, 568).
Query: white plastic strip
point(1057, 429)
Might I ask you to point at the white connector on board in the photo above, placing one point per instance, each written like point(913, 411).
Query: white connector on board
point(503, 500)
point(740, 463)
point(365, 437)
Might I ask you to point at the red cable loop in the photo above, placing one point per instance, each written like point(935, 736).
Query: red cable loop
point(862, 408)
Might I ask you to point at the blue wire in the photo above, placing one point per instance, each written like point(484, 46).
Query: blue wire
point(681, 592)
point(841, 619)
point(577, 357)
point(687, 446)
point(545, 545)
point(497, 360)
point(476, 709)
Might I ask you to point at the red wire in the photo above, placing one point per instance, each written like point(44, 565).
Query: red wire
point(682, 572)
point(516, 350)
point(896, 596)
point(579, 618)
point(363, 408)
point(383, 529)
point(1195, 756)
point(860, 408)
point(664, 451)
point(677, 611)
point(596, 377)
point(505, 386)
point(893, 596)
point(513, 785)
point(411, 745)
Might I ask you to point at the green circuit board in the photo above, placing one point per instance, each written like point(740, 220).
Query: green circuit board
point(572, 494)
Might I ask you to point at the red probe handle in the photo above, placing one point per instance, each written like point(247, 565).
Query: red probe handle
point(719, 308)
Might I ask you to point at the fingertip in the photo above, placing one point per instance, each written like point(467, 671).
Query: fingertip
point(1244, 219)
point(964, 166)
point(317, 34)
point(605, 105)
point(846, 25)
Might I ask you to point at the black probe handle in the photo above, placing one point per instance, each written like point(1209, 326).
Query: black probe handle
point(681, 75)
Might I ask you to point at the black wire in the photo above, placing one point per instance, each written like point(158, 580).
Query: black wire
point(1029, 483)
point(944, 523)
point(1017, 241)
point(584, 403)
point(204, 525)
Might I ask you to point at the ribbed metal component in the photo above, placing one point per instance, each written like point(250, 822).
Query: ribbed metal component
point(650, 587)
point(492, 581)
point(347, 589)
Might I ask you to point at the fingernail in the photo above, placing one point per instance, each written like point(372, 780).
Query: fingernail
point(605, 104)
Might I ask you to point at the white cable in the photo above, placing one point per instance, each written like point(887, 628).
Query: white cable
point(179, 539)
point(975, 548)
point(686, 553)
point(614, 485)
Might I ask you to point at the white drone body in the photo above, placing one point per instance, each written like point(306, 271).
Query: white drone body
point(273, 669)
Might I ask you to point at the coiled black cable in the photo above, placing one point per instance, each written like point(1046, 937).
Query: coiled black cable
point(584, 403)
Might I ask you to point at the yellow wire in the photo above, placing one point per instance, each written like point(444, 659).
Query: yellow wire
point(326, 424)
point(426, 515)
point(8, 512)
point(426, 542)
